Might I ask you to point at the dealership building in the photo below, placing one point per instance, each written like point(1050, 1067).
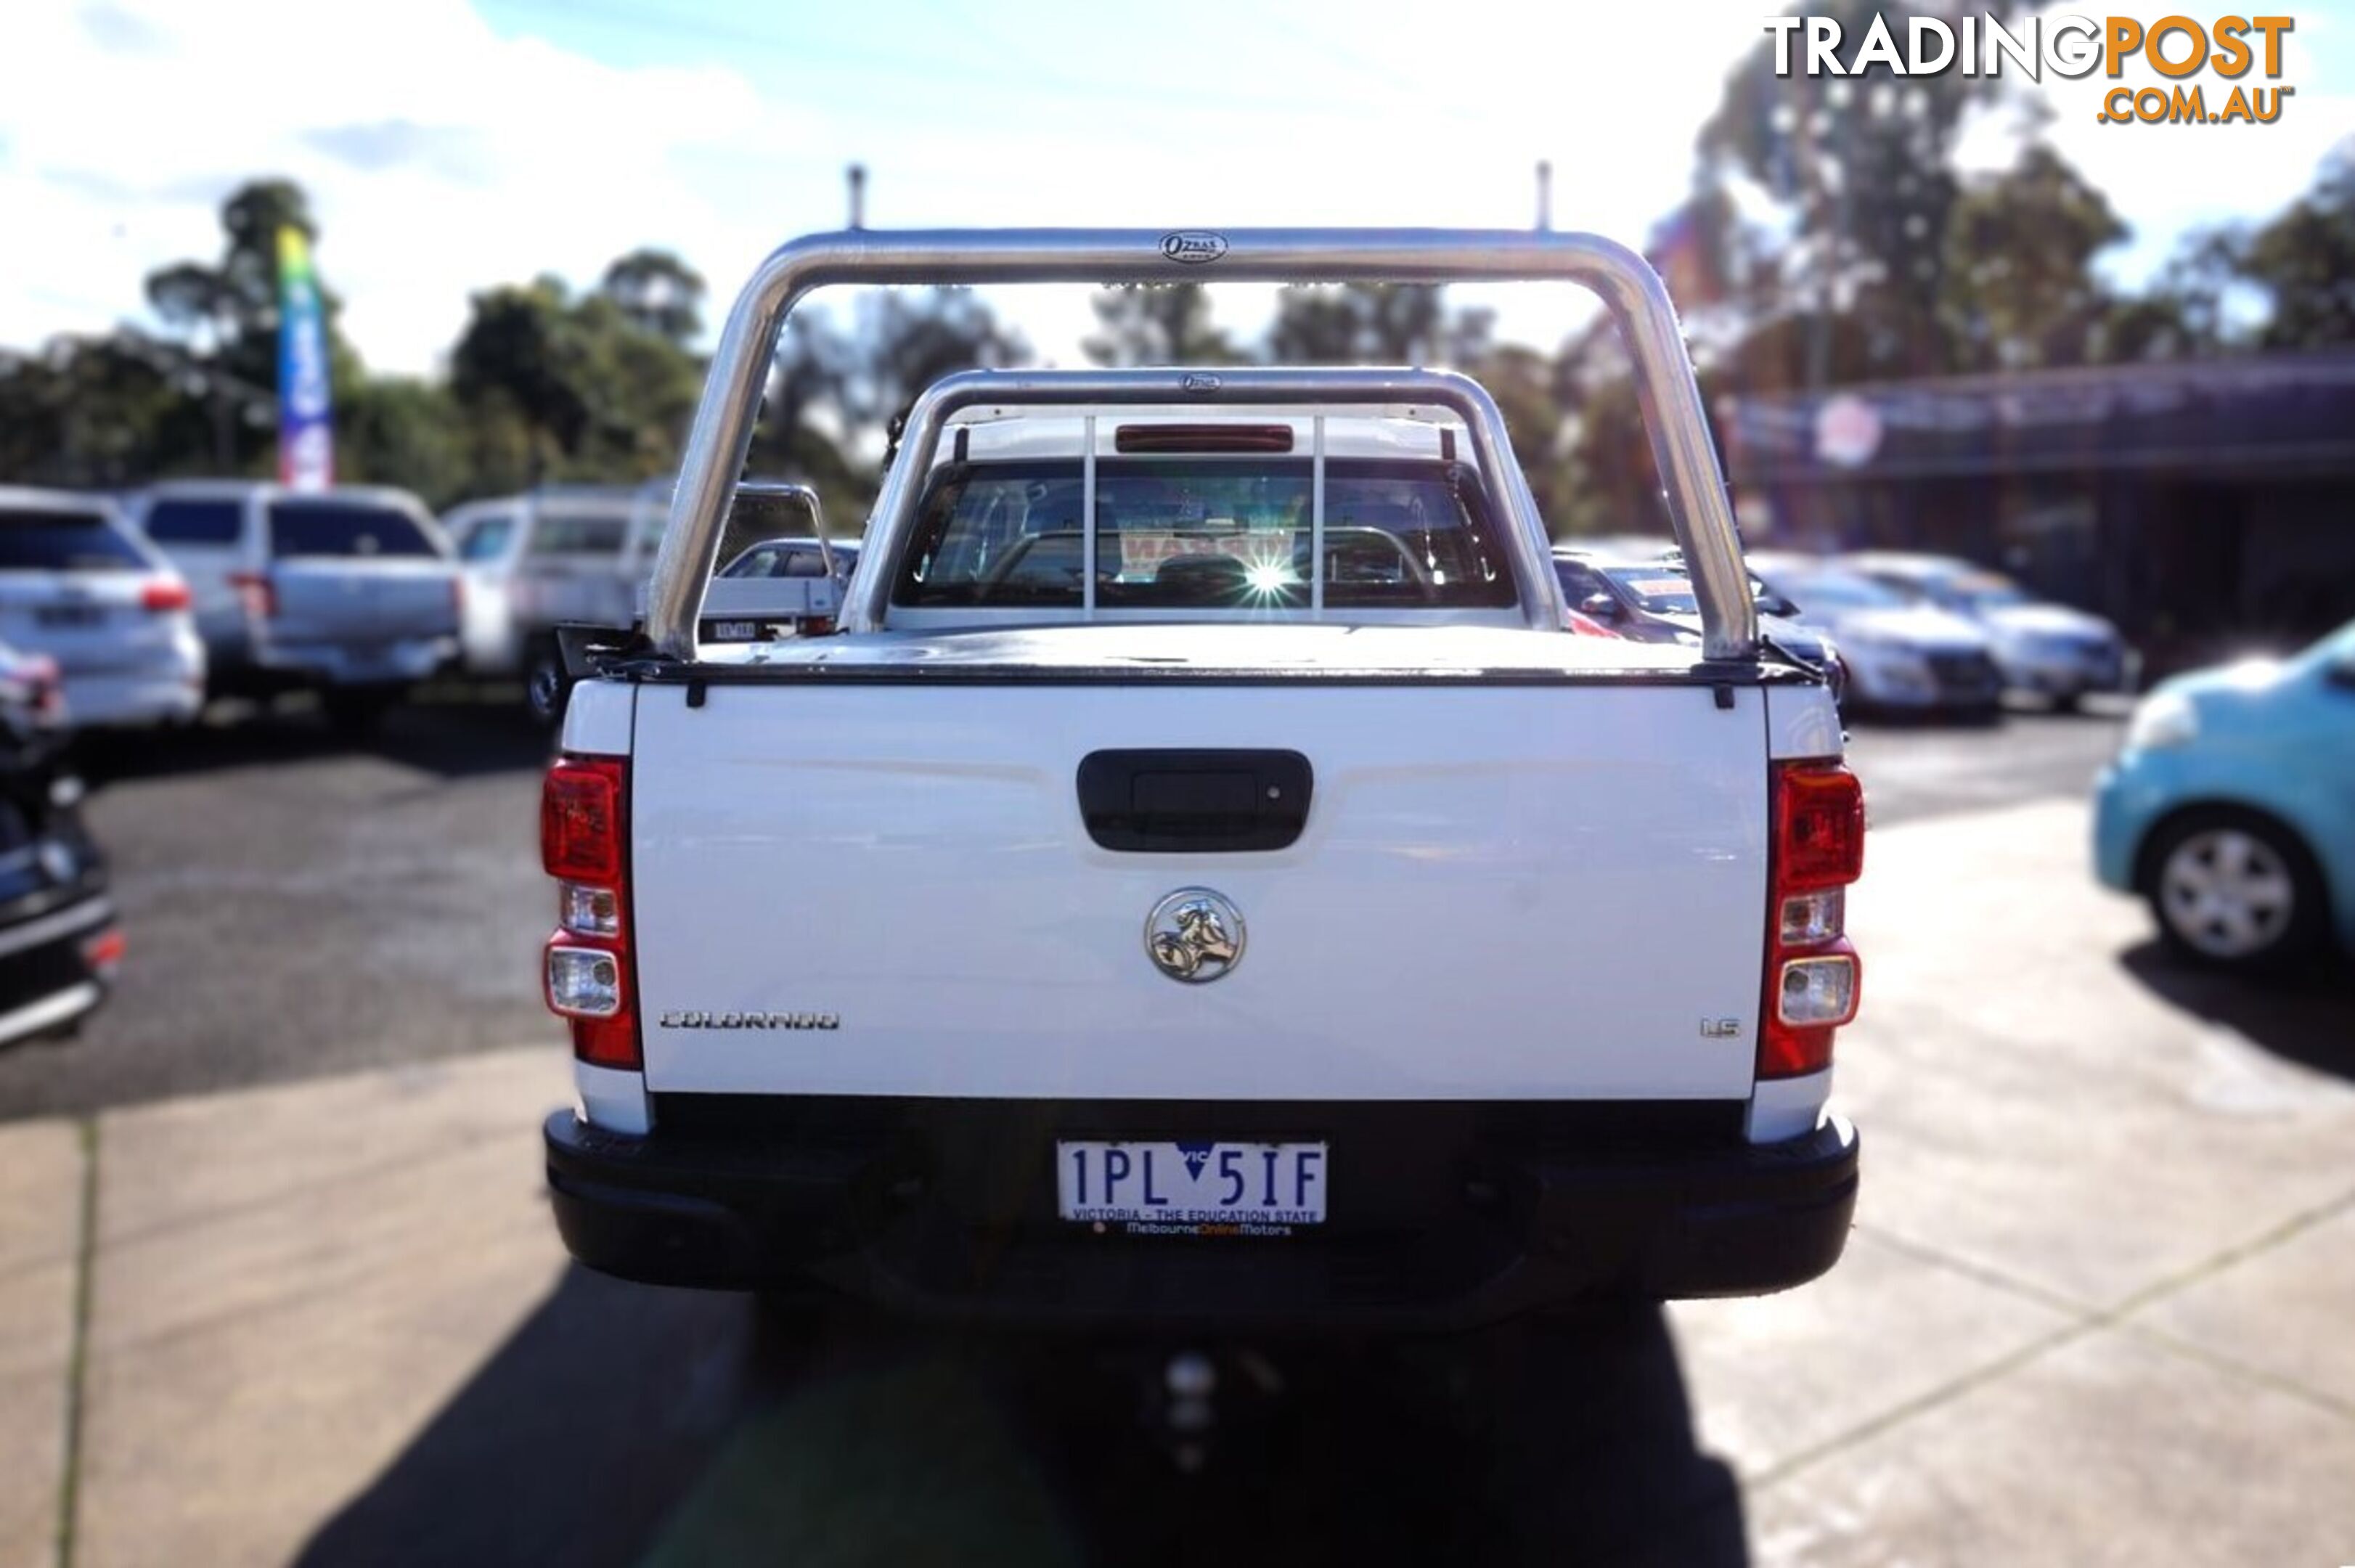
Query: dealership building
point(2203, 506)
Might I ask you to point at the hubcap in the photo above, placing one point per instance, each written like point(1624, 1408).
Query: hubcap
point(2226, 892)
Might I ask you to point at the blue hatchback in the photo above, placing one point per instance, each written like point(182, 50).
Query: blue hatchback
point(2232, 808)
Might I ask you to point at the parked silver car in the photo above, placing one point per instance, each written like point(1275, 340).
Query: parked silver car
point(579, 556)
point(559, 555)
point(1900, 653)
point(79, 586)
point(2044, 649)
point(351, 592)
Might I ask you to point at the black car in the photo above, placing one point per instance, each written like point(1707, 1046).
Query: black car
point(1652, 602)
point(59, 943)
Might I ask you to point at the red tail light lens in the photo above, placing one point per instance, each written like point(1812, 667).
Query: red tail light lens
point(580, 819)
point(1813, 976)
point(164, 596)
point(588, 974)
point(1819, 826)
point(256, 592)
point(103, 953)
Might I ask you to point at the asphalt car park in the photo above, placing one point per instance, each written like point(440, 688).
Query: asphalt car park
point(2100, 1263)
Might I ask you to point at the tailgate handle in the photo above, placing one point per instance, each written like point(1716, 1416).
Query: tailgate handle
point(1194, 802)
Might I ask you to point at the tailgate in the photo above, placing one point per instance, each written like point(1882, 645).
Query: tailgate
point(1517, 891)
point(327, 600)
point(95, 624)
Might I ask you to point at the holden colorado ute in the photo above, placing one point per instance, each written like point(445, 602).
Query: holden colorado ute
point(1201, 880)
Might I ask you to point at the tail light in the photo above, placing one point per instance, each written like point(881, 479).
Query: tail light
point(457, 596)
point(1813, 975)
point(103, 953)
point(256, 592)
point(588, 975)
point(162, 596)
point(45, 686)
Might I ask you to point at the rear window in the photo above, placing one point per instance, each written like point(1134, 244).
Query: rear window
point(344, 528)
point(486, 538)
point(789, 558)
point(1207, 533)
point(578, 533)
point(64, 541)
point(194, 522)
point(1660, 590)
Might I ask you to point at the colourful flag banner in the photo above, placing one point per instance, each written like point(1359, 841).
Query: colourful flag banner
point(306, 434)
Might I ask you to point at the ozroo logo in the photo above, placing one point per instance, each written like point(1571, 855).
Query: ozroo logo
point(1193, 246)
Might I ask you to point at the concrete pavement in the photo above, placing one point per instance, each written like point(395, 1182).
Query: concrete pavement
point(2095, 1310)
point(41, 1212)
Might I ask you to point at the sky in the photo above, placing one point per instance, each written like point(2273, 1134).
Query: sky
point(452, 145)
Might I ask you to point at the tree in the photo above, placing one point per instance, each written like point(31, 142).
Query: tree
point(1864, 165)
point(1157, 324)
point(412, 434)
point(2304, 261)
point(223, 318)
point(2021, 290)
point(906, 341)
point(571, 389)
point(1358, 323)
point(658, 293)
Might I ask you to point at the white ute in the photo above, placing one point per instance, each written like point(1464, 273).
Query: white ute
point(1201, 882)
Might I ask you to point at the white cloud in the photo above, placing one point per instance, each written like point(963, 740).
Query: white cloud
point(439, 158)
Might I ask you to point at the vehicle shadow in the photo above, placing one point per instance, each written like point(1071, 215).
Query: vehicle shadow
point(454, 735)
point(2308, 1018)
point(625, 1426)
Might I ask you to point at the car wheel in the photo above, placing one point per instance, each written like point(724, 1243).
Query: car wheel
point(543, 686)
point(2235, 890)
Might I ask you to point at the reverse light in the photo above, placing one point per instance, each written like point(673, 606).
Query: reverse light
point(584, 982)
point(1816, 991)
point(587, 909)
point(1814, 917)
point(1812, 974)
point(589, 969)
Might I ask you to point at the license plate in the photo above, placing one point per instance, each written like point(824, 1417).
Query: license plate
point(1202, 1188)
point(735, 631)
point(69, 615)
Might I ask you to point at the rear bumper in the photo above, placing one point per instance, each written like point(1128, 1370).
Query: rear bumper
point(47, 981)
point(171, 694)
point(1946, 683)
point(405, 661)
point(1443, 1217)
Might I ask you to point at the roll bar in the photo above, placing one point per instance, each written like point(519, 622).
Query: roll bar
point(1626, 282)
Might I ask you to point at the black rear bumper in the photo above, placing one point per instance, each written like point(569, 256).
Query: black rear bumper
point(1442, 1215)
